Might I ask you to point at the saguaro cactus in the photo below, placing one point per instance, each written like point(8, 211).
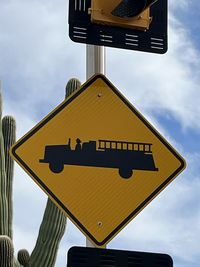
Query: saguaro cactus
point(6, 252)
point(50, 234)
point(54, 221)
point(3, 182)
point(72, 85)
point(9, 129)
point(23, 257)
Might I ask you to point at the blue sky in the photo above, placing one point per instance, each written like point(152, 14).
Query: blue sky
point(36, 60)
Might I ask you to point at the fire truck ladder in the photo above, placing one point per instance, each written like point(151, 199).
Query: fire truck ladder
point(122, 145)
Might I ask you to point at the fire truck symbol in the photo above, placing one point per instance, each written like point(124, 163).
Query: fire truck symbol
point(124, 156)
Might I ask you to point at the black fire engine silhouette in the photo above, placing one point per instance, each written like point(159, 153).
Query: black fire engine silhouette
point(124, 156)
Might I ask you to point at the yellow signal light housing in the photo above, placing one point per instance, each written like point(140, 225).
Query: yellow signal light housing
point(101, 14)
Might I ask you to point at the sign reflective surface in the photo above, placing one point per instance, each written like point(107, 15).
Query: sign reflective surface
point(98, 159)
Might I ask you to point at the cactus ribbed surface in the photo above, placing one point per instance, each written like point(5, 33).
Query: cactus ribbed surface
point(23, 257)
point(9, 136)
point(50, 234)
point(3, 185)
point(6, 252)
point(72, 85)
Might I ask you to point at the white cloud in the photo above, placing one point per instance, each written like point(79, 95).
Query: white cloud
point(161, 84)
point(35, 49)
point(179, 5)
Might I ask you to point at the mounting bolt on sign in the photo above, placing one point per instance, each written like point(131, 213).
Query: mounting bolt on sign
point(127, 13)
point(129, 24)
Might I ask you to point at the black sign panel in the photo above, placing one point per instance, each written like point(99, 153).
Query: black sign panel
point(82, 30)
point(90, 257)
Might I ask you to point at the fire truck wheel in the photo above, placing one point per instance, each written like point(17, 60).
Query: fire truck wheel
point(56, 167)
point(125, 173)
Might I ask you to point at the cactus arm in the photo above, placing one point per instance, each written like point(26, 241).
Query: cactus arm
point(6, 252)
point(3, 196)
point(72, 85)
point(9, 136)
point(5, 209)
point(23, 257)
point(50, 233)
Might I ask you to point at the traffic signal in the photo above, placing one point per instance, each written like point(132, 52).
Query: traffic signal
point(129, 24)
point(133, 14)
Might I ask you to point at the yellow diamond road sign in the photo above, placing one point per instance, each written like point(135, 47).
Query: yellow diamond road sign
point(98, 159)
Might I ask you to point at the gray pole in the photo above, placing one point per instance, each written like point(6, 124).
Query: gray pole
point(95, 63)
point(95, 60)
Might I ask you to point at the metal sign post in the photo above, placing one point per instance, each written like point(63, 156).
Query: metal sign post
point(95, 60)
point(95, 63)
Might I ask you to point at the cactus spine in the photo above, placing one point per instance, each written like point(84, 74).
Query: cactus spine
point(6, 252)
